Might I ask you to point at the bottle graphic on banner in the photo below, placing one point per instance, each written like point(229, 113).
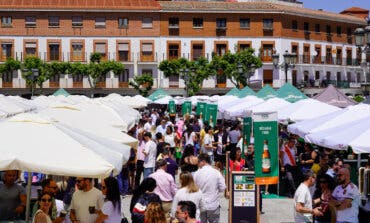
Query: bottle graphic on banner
point(266, 158)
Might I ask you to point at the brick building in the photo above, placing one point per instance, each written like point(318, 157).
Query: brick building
point(142, 33)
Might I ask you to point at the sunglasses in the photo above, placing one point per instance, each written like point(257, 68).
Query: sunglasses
point(46, 200)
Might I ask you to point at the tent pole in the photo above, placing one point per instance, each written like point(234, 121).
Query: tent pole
point(358, 161)
point(29, 183)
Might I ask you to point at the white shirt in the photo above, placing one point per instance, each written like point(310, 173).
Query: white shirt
point(183, 195)
point(161, 129)
point(286, 160)
point(207, 140)
point(170, 139)
point(211, 183)
point(350, 192)
point(150, 149)
point(154, 118)
point(114, 213)
point(147, 126)
point(81, 201)
point(302, 195)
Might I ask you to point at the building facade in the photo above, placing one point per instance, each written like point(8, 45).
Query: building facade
point(142, 33)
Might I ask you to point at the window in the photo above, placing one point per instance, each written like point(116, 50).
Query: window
point(197, 23)
point(124, 76)
point(221, 23)
point(30, 21)
point(197, 50)
point(53, 21)
point(6, 21)
point(54, 51)
point(173, 23)
point(77, 21)
point(245, 23)
point(101, 48)
point(147, 22)
point(77, 51)
point(268, 24)
point(123, 23)
point(123, 51)
point(147, 71)
point(173, 51)
point(317, 28)
point(30, 49)
point(339, 30)
point(221, 49)
point(306, 27)
point(100, 22)
point(349, 32)
point(294, 25)
point(328, 30)
point(244, 46)
point(147, 52)
point(6, 50)
point(267, 51)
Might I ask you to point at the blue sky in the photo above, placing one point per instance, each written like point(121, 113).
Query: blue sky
point(335, 5)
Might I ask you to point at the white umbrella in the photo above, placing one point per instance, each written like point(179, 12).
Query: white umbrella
point(241, 108)
point(331, 120)
point(164, 101)
point(271, 105)
point(304, 109)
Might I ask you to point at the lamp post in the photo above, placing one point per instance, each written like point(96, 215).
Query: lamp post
point(290, 60)
point(184, 74)
point(362, 41)
point(32, 75)
point(248, 74)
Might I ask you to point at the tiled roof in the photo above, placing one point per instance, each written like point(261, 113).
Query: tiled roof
point(79, 4)
point(255, 7)
point(355, 9)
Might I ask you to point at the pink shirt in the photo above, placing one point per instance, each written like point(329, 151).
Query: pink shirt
point(140, 155)
point(166, 187)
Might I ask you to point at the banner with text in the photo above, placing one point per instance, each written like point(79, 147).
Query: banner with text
point(211, 114)
point(186, 108)
point(201, 108)
point(247, 128)
point(266, 148)
point(172, 108)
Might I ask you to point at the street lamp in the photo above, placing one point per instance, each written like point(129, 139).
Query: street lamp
point(362, 41)
point(290, 60)
point(247, 74)
point(184, 74)
point(32, 75)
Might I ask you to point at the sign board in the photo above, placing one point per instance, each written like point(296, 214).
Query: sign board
point(211, 114)
point(172, 108)
point(266, 148)
point(247, 128)
point(186, 108)
point(244, 198)
point(201, 108)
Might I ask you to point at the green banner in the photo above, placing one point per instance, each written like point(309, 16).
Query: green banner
point(186, 108)
point(266, 148)
point(211, 114)
point(247, 128)
point(201, 108)
point(171, 108)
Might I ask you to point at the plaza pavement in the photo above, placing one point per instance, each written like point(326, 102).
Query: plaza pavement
point(276, 210)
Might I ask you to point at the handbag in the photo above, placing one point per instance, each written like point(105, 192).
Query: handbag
point(124, 220)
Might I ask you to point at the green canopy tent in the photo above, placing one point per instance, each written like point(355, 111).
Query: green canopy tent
point(233, 92)
point(158, 94)
point(61, 91)
point(290, 93)
point(246, 91)
point(266, 92)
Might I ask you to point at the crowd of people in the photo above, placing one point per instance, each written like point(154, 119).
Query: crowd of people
point(317, 179)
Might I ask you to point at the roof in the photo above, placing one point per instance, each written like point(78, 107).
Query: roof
point(79, 5)
point(254, 7)
point(355, 9)
point(333, 96)
point(290, 93)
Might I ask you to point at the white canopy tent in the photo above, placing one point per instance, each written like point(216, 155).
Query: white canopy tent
point(303, 110)
point(271, 105)
point(137, 101)
point(11, 106)
point(240, 110)
point(331, 120)
point(164, 100)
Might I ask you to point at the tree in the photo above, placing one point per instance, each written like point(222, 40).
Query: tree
point(142, 83)
point(9, 66)
point(228, 65)
point(57, 68)
point(31, 63)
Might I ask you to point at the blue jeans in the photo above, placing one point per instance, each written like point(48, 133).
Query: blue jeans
point(148, 171)
point(122, 179)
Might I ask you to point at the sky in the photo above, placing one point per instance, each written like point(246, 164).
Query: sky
point(335, 5)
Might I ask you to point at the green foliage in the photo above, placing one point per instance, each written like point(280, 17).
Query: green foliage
point(228, 65)
point(31, 63)
point(9, 66)
point(359, 98)
point(143, 84)
point(95, 57)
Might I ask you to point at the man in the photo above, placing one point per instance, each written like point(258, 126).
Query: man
point(140, 158)
point(150, 151)
point(211, 183)
point(346, 198)
point(148, 124)
point(334, 167)
point(85, 197)
point(50, 186)
point(288, 165)
point(12, 197)
point(186, 211)
point(162, 127)
point(303, 200)
point(166, 186)
point(168, 155)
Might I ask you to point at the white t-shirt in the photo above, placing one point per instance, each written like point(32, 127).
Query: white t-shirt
point(82, 200)
point(147, 126)
point(151, 149)
point(189, 138)
point(183, 195)
point(207, 140)
point(302, 195)
point(350, 192)
point(170, 139)
point(114, 214)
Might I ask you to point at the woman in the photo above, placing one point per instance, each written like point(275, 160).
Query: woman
point(169, 136)
point(189, 162)
point(141, 198)
point(42, 215)
point(111, 210)
point(322, 196)
point(188, 192)
point(155, 213)
point(236, 163)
